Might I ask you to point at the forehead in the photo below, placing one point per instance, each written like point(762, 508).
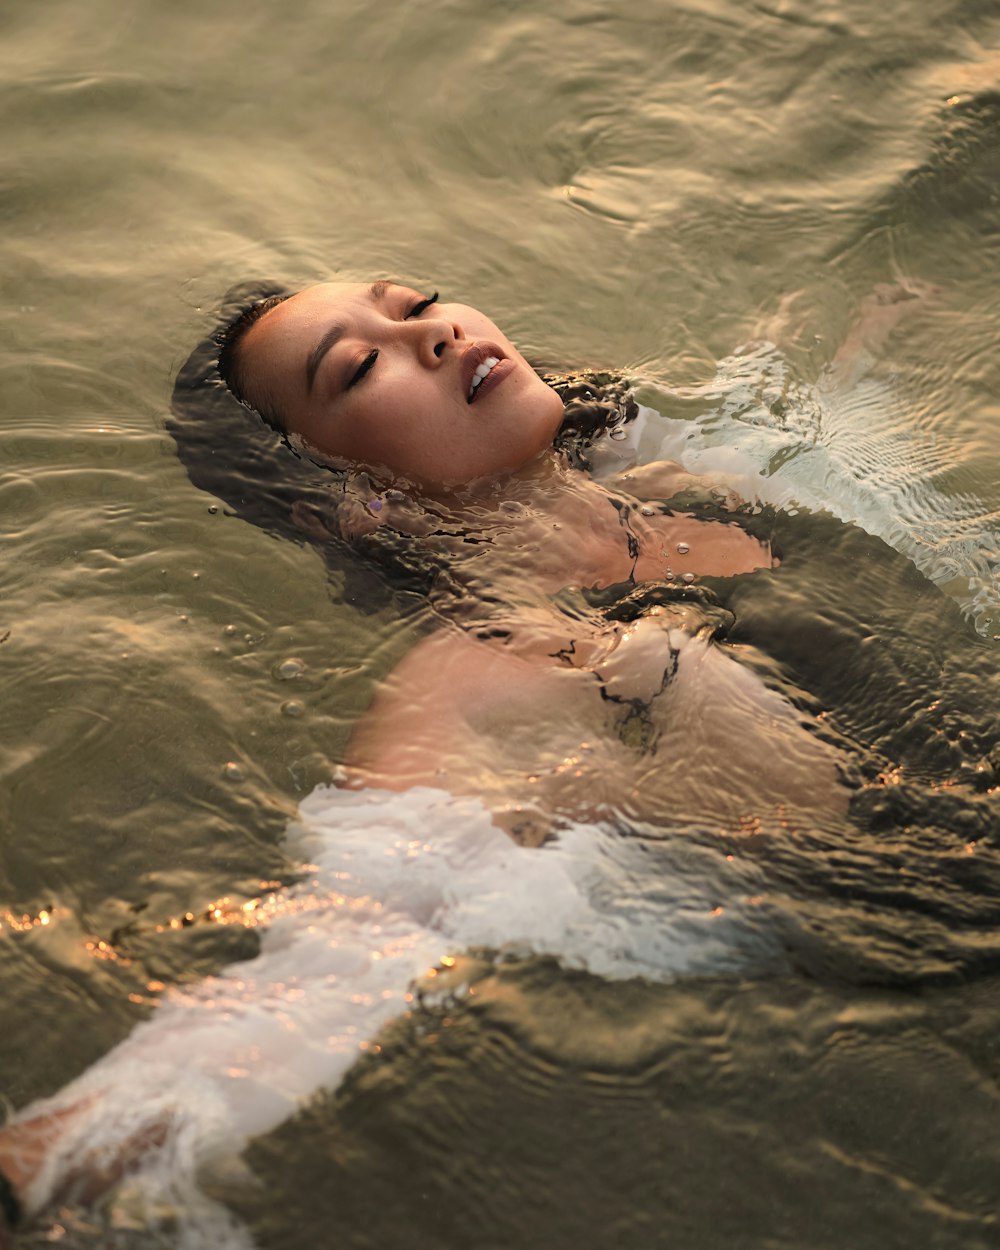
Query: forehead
point(317, 306)
point(284, 336)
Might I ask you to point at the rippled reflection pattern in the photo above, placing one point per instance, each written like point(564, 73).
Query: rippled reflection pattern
point(648, 1032)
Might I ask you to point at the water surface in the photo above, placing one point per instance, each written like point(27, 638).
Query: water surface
point(644, 187)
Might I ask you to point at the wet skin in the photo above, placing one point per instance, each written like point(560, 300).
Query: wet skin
point(380, 376)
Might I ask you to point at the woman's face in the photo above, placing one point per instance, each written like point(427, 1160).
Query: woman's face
point(382, 377)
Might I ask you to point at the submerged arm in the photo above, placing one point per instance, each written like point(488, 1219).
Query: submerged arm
point(665, 479)
point(880, 314)
point(588, 535)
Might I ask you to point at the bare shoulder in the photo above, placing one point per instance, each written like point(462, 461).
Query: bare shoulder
point(453, 692)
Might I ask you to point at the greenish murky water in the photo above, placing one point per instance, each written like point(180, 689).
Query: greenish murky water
point(645, 187)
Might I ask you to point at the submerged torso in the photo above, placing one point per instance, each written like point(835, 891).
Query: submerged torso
point(549, 710)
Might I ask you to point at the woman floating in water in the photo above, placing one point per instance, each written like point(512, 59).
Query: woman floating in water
point(609, 703)
point(576, 671)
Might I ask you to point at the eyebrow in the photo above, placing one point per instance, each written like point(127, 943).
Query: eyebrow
point(376, 293)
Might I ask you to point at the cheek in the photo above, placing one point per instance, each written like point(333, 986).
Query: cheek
point(400, 423)
point(476, 324)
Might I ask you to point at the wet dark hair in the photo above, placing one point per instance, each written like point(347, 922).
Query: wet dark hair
point(230, 366)
point(241, 455)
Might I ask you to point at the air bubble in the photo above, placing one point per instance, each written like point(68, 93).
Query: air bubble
point(683, 549)
point(230, 631)
point(233, 772)
point(289, 669)
point(293, 708)
point(618, 435)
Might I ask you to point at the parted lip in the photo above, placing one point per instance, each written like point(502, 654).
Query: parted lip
point(472, 359)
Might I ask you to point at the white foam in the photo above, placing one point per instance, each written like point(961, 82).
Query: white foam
point(400, 881)
point(851, 451)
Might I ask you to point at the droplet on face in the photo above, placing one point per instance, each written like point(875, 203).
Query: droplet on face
point(618, 435)
point(293, 708)
point(289, 669)
point(683, 549)
point(689, 578)
point(646, 510)
point(233, 772)
point(229, 631)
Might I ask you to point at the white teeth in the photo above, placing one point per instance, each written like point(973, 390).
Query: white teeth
point(481, 371)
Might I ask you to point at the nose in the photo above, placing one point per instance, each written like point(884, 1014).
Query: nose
point(434, 336)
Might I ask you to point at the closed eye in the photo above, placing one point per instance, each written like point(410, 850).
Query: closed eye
point(363, 368)
point(369, 361)
point(422, 306)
